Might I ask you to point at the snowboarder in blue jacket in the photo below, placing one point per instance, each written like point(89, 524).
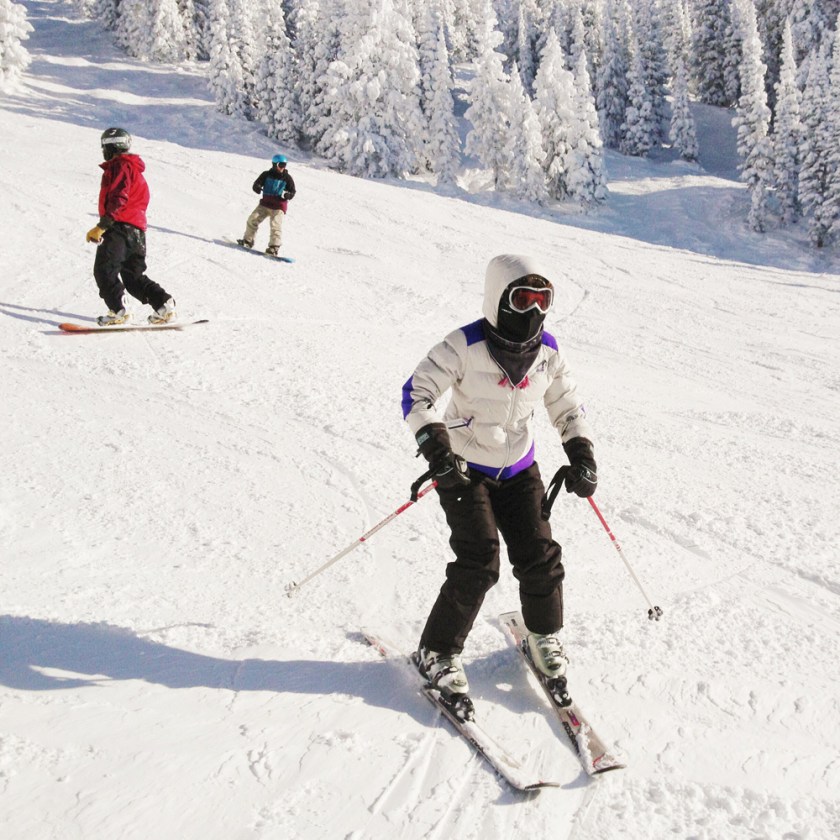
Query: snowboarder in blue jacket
point(278, 189)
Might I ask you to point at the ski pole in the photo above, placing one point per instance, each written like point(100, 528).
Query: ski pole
point(654, 613)
point(416, 494)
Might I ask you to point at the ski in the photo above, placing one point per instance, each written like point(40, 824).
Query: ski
point(593, 753)
point(505, 765)
point(95, 328)
point(233, 243)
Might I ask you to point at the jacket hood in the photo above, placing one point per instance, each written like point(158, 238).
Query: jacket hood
point(501, 272)
point(125, 159)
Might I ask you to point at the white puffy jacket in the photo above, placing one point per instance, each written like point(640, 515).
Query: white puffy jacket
point(491, 422)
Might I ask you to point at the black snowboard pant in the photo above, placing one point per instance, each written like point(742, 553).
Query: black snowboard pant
point(120, 266)
point(476, 515)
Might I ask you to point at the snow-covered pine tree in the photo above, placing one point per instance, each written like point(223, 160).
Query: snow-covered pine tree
point(683, 133)
point(772, 16)
point(201, 28)
point(427, 18)
point(577, 24)
point(554, 88)
point(456, 31)
point(559, 18)
point(224, 75)
point(428, 25)
point(586, 178)
point(105, 11)
point(787, 134)
point(315, 44)
point(753, 116)
point(638, 132)
point(525, 36)
point(153, 30)
point(488, 139)
point(186, 9)
point(591, 12)
point(576, 40)
point(676, 23)
point(246, 47)
point(14, 57)
point(733, 60)
point(712, 45)
point(470, 17)
point(134, 26)
point(649, 39)
point(275, 78)
point(611, 89)
point(442, 150)
point(810, 21)
point(526, 179)
point(372, 94)
point(832, 203)
point(817, 150)
point(168, 36)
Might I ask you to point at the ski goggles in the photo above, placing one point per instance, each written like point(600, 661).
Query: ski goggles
point(524, 298)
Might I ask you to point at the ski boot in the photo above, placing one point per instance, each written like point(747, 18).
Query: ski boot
point(114, 316)
point(546, 652)
point(245, 243)
point(165, 314)
point(445, 673)
point(272, 250)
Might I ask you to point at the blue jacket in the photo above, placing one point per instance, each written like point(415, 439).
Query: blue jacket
point(277, 189)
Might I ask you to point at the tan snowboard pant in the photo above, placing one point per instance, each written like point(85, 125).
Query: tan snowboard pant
point(256, 218)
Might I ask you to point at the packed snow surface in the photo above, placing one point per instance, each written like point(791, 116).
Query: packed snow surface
point(158, 492)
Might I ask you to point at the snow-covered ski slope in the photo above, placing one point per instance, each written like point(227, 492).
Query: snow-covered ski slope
point(158, 492)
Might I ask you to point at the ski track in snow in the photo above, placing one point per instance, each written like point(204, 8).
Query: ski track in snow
point(158, 492)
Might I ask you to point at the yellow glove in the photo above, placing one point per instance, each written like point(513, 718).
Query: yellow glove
point(95, 234)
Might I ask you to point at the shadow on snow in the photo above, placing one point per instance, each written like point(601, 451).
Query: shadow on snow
point(92, 654)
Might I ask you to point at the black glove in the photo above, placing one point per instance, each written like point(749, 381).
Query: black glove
point(448, 469)
point(582, 478)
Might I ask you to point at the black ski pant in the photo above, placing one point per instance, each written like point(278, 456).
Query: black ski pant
point(120, 266)
point(476, 515)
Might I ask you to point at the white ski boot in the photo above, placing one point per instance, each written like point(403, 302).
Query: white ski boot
point(445, 673)
point(165, 314)
point(546, 652)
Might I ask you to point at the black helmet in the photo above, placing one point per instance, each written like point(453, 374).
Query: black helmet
point(114, 141)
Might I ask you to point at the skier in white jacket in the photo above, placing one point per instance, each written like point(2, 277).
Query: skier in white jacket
point(480, 448)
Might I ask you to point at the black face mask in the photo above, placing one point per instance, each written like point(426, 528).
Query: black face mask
point(518, 326)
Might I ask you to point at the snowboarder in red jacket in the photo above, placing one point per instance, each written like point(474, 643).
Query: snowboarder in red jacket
point(120, 233)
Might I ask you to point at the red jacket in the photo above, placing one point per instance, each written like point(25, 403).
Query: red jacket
point(124, 194)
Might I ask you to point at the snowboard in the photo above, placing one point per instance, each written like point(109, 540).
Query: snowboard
point(234, 244)
point(95, 328)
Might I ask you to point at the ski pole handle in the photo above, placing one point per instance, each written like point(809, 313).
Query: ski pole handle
point(293, 588)
point(654, 613)
point(416, 485)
